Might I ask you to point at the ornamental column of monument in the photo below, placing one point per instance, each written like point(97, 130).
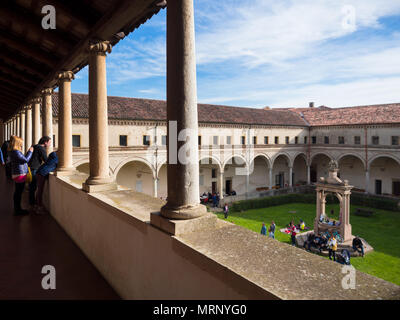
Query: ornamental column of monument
point(28, 126)
point(99, 176)
point(47, 116)
point(64, 123)
point(36, 120)
point(183, 165)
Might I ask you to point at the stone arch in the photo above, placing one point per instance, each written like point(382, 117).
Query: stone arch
point(353, 155)
point(299, 166)
point(382, 155)
point(217, 161)
point(300, 154)
point(319, 153)
point(264, 156)
point(137, 174)
point(286, 155)
point(232, 157)
point(132, 159)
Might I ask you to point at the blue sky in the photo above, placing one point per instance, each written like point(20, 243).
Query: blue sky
point(258, 53)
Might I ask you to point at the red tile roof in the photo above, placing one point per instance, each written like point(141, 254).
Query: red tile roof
point(122, 108)
point(146, 109)
point(372, 114)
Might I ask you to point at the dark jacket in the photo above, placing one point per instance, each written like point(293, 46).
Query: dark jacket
point(4, 148)
point(49, 166)
point(38, 157)
point(19, 162)
point(1, 157)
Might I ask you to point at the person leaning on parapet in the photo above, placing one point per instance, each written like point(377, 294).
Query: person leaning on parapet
point(42, 174)
point(271, 230)
point(19, 170)
point(39, 156)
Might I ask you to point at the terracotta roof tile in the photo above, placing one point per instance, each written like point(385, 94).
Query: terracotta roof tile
point(147, 109)
point(371, 114)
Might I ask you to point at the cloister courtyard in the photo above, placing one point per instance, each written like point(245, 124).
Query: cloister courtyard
point(380, 230)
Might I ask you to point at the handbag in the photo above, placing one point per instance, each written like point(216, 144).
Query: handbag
point(29, 176)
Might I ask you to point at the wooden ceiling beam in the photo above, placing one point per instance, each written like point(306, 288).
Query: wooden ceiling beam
point(5, 86)
point(25, 77)
point(11, 11)
point(16, 82)
point(31, 49)
point(21, 63)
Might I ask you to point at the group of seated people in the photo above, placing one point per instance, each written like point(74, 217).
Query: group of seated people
point(210, 198)
point(324, 219)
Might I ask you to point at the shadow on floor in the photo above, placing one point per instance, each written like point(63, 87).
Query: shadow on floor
point(27, 243)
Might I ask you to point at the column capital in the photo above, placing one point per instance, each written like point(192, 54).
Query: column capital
point(27, 107)
point(35, 100)
point(100, 47)
point(65, 76)
point(47, 91)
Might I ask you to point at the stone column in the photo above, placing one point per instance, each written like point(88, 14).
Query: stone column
point(308, 174)
point(28, 126)
point(221, 185)
point(17, 124)
point(36, 120)
point(183, 172)
point(155, 187)
point(290, 177)
point(270, 179)
point(64, 123)
point(2, 131)
point(22, 131)
point(99, 178)
point(47, 116)
point(366, 181)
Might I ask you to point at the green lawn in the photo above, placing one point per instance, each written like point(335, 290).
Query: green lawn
point(380, 230)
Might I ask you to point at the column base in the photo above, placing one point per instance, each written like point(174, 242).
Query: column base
point(183, 212)
point(90, 188)
point(179, 227)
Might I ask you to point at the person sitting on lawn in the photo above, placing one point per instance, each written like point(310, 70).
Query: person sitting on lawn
point(357, 244)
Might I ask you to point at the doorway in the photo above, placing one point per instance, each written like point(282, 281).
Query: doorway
point(396, 188)
point(214, 187)
point(228, 186)
point(378, 186)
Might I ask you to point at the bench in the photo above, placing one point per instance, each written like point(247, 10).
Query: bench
point(363, 212)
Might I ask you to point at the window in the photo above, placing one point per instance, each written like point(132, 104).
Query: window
point(305, 140)
point(276, 140)
point(215, 140)
point(296, 140)
point(228, 140)
point(76, 140)
point(395, 140)
point(287, 140)
point(326, 140)
point(146, 140)
point(213, 173)
point(313, 139)
point(341, 140)
point(266, 140)
point(254, 140)
point(375, 140)
point(54, 140)
point(357, 140)
point(123, 140)
point(243, 139)
point(164, 140)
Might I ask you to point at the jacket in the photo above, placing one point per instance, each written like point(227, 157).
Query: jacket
point(1, 157)
point(49, 166)
point(19, 162)
point(38, 157)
